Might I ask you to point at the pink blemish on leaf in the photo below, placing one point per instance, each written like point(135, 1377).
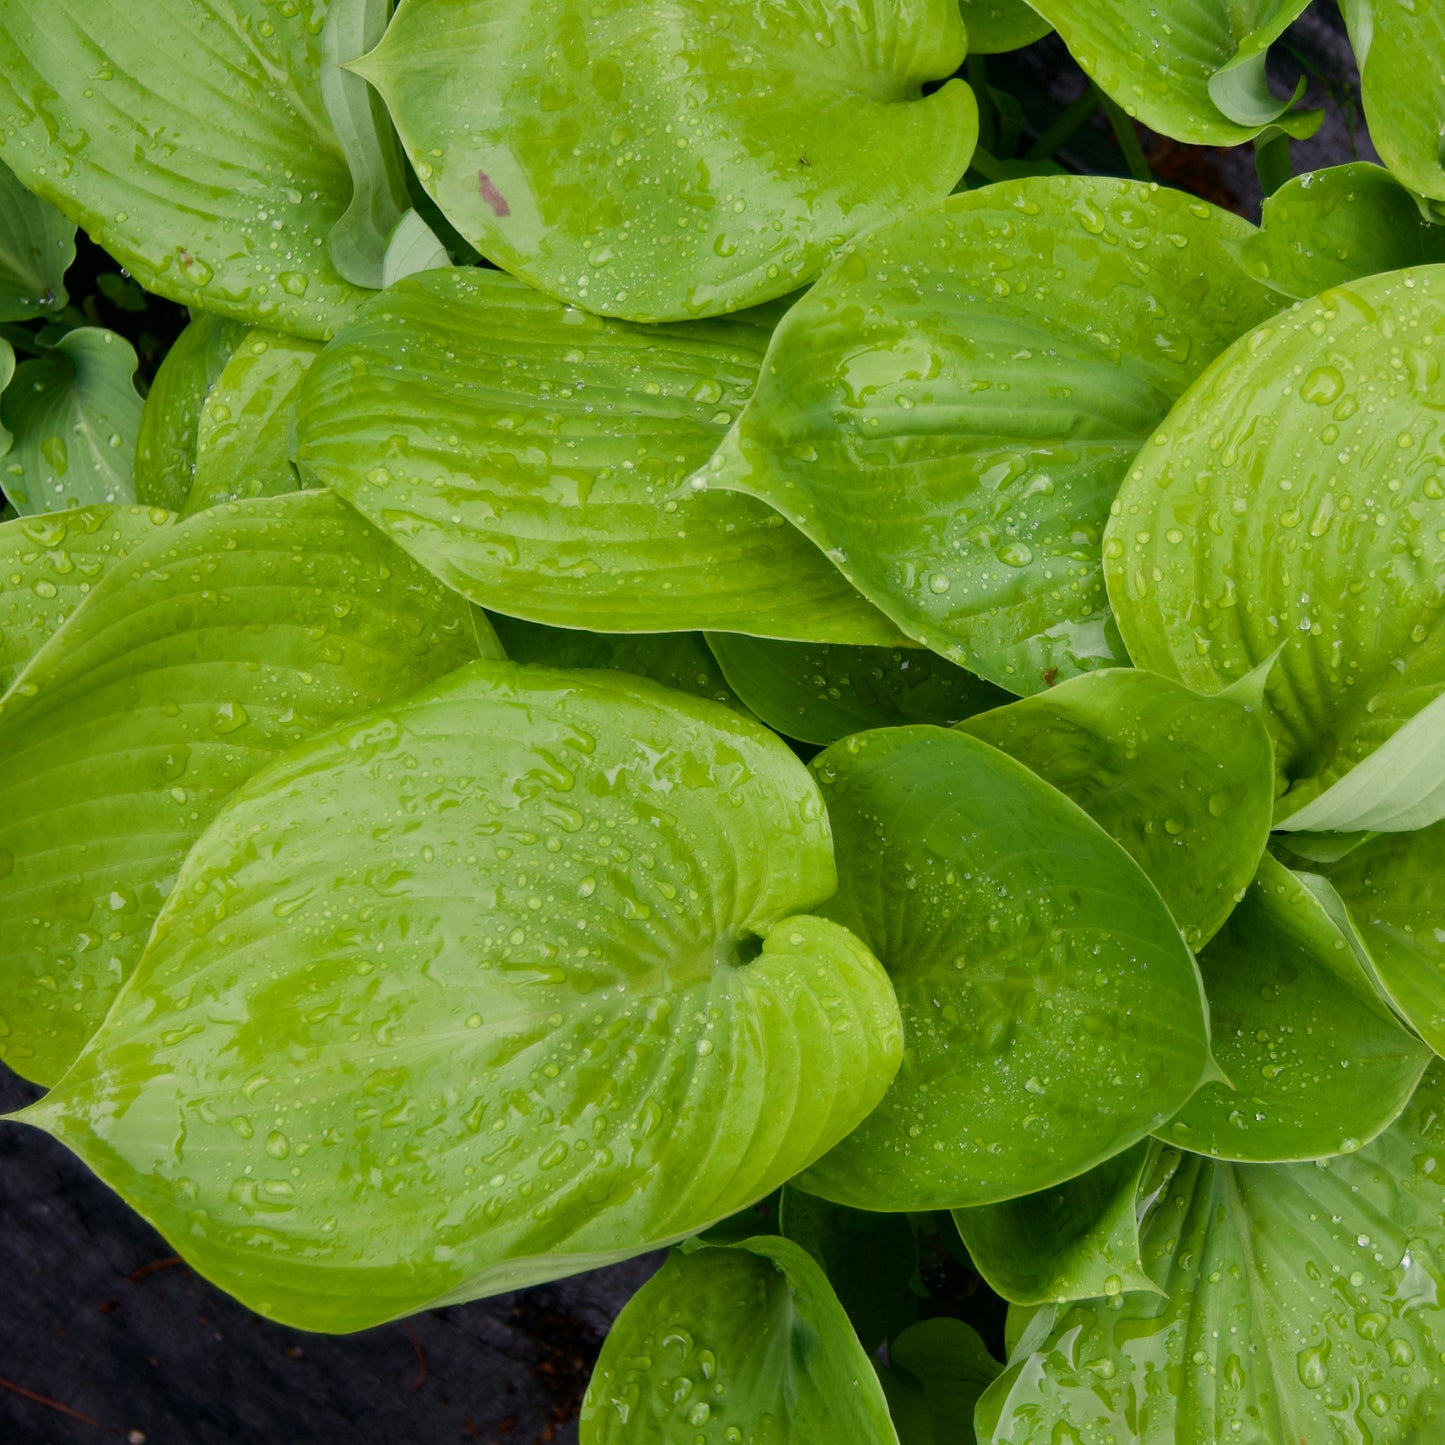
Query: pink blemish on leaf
point(491, 195)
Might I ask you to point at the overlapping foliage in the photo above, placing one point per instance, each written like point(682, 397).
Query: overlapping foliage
point(419, 876)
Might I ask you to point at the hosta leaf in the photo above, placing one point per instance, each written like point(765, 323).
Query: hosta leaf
point(1394, 889)
point(659, 163)
point(950, 410)
point(533, 457)
point(75, 415)
point(1079, 1240)
point(48, 565)
point(190, 141)
point(1191, 69)
point(1397, 48)
point(1293, 503)
point(731, 1343)
point(936, 1373)
point(244, 432)
point(165, 456)
point(1185, 783)
point(7, 372)
point(819, 693)
point(208, 650)
point(1051, 1012)
point(1301, 1304)
point(1330, 227)
point(999, 25)
point(870, 1260)
point(674, 659)
point(1316, 1062)
point(37, 245)
point(537, 981)
point(357, 243)
point(413, 246)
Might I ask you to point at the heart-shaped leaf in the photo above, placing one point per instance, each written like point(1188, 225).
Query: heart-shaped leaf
point(191, 142)
point(211, 648)
point(818, 694)
point(662, 163)
point(1301, 1303)
point(1185, 783)
point(533, 999)
point(1079, 1240)
point(37, 245)
point(1191, 69)
point(738, 1342)
point(1316, 1061)
point(533, 456)
point(1051, 1012)
point(165, 455)
point(75, 415)
point(1292, 506)
point(50, 563)
point(949, 412)
point(244, 435)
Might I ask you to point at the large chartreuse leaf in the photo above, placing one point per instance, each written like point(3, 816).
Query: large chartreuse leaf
point(1191, 69)
point(661, 162)
point(1394, 889)
point(998, 25)
point(75, 415)
point(1398, 48)
point(1079, 1240)
point(1330, 227)
point(50, 563)
point(1301, 1304)
point(733, 1343)
point(819, 693)
point(1184, 782)
point(211, 648)
point(1293, 505)
point(37, 245)
point(950, 410)
point(190, 141)
point(1316, 1062)
point(533, 996)
point(532, 456)
point(1051, 1012)
point(165, 455)
point(675, 659)
point(936, 1372)
point(244, 434)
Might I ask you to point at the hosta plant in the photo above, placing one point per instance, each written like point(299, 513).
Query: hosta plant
point(703, 642)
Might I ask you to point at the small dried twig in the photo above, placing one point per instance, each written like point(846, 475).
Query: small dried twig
point(422, 1370)
point(153, 1266)
point(48, 1403)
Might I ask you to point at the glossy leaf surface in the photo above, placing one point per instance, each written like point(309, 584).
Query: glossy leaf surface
point(190, 141)
point(244, 435)
point(742, 1342)
point(675, 659)
point(37, 245)
point(533, 457)
point(50, 563)
point(1302, 1304)
point(937, 1370)
point(165, 456)
point(950, 410)
point(1397, 46)
point(1317, 1063)
point(539, 981)
point(819, 694)
point(1051, 1011)
point(1293, 504)
point(75, 415)
point(1191, 69)
point(999, 25)
point(663, 163)
point(1394, 889)
point(208, 650)
point(1079, 1240)
point(1183, 782)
